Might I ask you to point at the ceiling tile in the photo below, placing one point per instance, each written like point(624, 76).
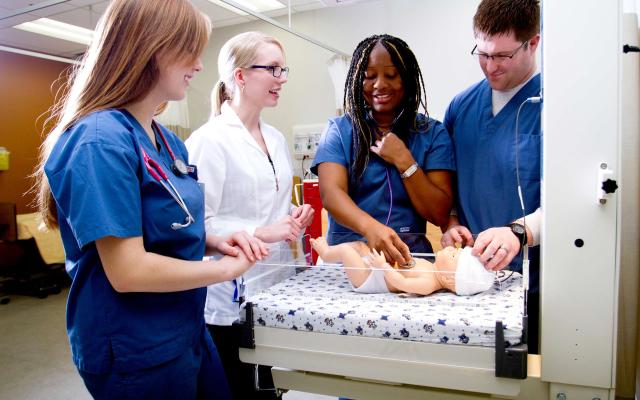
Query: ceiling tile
point(52, 10)
point(13, 21)
point(18, 4)
point(30, 41)
point(78, 16)
point(83, 3)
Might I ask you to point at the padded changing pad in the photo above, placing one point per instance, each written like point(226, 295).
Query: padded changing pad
point(321, 300)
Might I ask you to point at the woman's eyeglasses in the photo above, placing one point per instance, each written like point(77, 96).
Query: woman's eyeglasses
point(276, 70)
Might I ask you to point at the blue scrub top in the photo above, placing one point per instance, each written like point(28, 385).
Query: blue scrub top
point(486, 192)
point(430, 146)
point(102, 188)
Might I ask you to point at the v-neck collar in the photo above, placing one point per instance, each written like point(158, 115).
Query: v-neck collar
point(510, 108)
point(230, 117)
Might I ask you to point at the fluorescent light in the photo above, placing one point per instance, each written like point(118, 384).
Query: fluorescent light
point(39, 55)
point(59, 30)
point(253, 5)
point(261, 5)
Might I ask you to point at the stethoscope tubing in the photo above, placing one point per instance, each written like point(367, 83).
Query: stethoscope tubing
point(157, 172)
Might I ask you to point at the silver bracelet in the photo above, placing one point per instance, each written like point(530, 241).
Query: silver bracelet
point(409, 171)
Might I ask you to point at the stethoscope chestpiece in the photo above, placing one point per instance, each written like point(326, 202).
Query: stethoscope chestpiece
point(408, 265)
point(179, 167)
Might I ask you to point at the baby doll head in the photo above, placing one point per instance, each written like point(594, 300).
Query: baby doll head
point(471, 277)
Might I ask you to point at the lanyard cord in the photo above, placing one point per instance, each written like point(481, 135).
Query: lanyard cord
point(274, 172)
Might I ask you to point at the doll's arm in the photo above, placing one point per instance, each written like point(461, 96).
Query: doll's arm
point(423, 285)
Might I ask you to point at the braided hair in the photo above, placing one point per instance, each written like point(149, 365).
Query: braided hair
point(364, 133)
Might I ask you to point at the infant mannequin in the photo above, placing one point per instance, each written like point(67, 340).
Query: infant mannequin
point(454, 269)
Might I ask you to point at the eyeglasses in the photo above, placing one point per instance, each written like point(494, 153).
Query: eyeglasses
point(276, 70)
point(497, 58)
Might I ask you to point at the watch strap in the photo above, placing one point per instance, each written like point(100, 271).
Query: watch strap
point(520, 231)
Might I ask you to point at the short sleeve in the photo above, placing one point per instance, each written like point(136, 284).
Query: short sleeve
point(97, 191)
point(440, 154)
point(332, 147)
point(450, 116)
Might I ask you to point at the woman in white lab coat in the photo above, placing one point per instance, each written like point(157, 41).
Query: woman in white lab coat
point(247, 174)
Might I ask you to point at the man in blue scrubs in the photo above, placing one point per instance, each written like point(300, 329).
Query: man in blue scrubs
point(482, 123)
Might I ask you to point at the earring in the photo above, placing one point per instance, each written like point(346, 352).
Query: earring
point(242, 88)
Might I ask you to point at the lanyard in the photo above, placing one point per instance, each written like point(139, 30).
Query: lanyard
point(238, 290)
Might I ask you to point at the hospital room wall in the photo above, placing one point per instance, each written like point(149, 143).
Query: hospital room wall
point(25, 94)
point(440, 34)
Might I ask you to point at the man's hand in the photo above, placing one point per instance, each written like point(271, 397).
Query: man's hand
point(496, 247)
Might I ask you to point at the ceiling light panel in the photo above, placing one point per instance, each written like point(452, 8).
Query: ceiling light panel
point(57, 29)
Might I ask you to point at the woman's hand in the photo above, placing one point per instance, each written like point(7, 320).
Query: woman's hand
point(386, 240)
point(288, 228)
point(303, 214)
point(236, 265)
point(391, 149)
point(239, 242)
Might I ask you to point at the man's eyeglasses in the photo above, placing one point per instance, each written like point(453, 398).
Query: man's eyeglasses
point(276, 70)
point(497, 58)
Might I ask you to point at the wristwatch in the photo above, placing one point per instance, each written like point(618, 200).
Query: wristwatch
point(409, 171)
point(520, 232)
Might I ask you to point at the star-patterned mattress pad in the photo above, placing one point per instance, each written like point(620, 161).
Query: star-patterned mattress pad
point(321, 300)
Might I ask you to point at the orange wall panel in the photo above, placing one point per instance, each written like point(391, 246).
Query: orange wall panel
point(25, 94)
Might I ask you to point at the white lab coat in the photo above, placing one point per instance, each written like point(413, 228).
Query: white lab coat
point(240, 194)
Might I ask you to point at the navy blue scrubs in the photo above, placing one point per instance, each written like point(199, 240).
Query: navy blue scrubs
point(147, 345)
point(380, 188)
point(486, 191)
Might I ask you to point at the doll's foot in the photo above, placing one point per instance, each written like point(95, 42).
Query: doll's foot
point(320, 245)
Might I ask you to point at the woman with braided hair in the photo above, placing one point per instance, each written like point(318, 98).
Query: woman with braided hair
point(385, 168)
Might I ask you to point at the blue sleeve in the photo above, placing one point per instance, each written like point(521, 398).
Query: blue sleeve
point(450, 117)
point(98, 191)
point(332, 148)
point(440, 154)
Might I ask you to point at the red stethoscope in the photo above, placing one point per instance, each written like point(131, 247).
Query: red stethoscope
point(179, 168)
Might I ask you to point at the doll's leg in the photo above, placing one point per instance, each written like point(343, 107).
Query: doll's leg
point(344, 253)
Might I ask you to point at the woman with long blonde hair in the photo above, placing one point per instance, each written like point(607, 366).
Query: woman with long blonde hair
point(131, 212)
point(249, 161)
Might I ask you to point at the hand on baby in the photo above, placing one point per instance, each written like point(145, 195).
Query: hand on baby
point(496, 247)
point(457, 234)
point(377, 260)
point(387, 240)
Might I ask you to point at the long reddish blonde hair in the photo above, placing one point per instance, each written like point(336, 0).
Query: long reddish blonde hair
point(121, 67)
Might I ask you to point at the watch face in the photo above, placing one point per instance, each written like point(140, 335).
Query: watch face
point(517, 228)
